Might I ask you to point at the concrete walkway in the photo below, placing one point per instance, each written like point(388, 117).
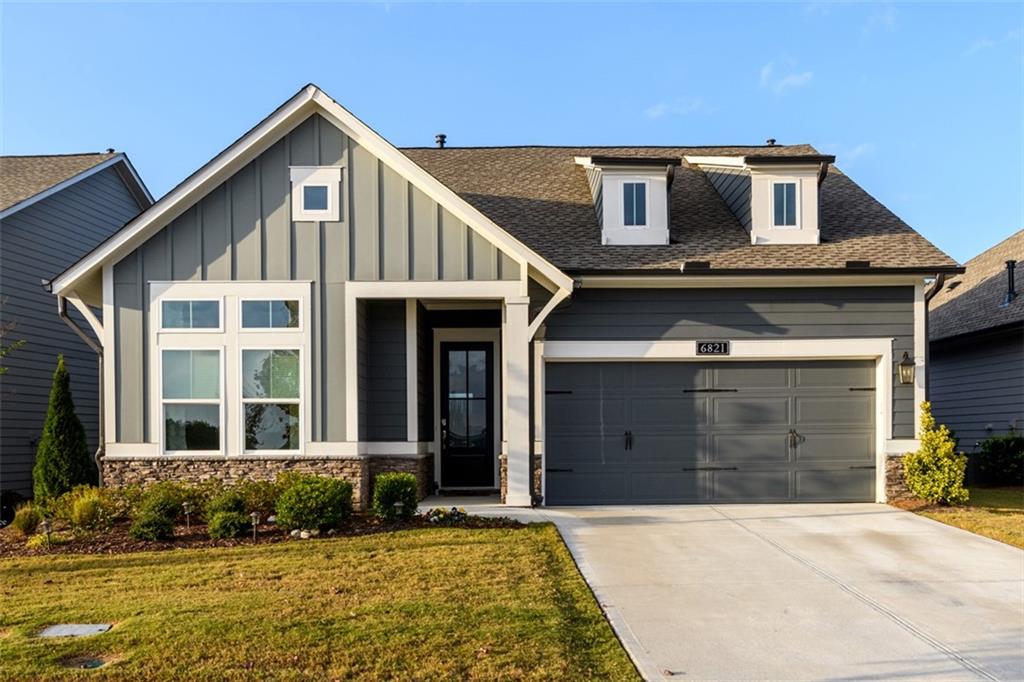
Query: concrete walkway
point(797, 592)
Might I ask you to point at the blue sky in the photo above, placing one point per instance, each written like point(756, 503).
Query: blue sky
point(922, 104)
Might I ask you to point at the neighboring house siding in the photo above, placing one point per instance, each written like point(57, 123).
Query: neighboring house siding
point(976, 385)
point(38, 242)
point(382, 371)
point(242, 230)
point(799, 313)
point(596, 184)
point(734, 187)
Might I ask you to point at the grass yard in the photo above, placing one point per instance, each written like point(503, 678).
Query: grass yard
point(424, 604)
point(997, 513)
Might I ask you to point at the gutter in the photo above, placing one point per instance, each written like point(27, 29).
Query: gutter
point(62, 312)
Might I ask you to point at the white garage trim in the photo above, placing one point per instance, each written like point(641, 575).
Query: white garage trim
point(877, 349)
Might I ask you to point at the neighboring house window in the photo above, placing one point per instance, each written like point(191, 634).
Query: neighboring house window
point(270, 314)
point(271, 397)
point(316, 193)
point(194, 314)
point(634, 204)
point(784, 204)
point(190, 389)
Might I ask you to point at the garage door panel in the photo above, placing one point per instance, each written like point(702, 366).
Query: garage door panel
point(853, 448)
point(667, 487)
point(581, 412)
point(587, 376)
point(587, 488)
point(835, 485)
point(678, 449)
point(849, 409)
point(738, 448)
point(750, 486)
point(580, 451)
point(665, 410)
point(840, 375)
point(752, 412)
point(749, 375)
point(673, 376)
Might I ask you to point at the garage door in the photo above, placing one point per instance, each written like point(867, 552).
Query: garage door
point(672, 432)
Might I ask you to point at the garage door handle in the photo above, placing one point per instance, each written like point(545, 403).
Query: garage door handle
point(711, 390)
point(866, 466)
point(710, 468)
point(559, 471)
point(629, 439)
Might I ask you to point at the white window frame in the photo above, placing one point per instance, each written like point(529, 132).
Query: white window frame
point(316, 176)
point(219, 329)
point(270, 330)
point(231, 340)
point(647, 203)
point(796, 204)
point(163, 402)
point(242, 400)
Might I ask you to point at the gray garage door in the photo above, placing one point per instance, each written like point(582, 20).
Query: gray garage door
point(670, 432)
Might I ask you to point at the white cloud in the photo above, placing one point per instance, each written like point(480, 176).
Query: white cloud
point(986, 43)
point(779, 83)
point(679, 107)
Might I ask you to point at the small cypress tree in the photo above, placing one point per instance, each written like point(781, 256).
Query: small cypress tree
point(62, 458)
point(935, 473)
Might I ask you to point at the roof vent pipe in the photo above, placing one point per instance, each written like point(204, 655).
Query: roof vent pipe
point(770, 141)
point(1011, 289)
point(440, 138)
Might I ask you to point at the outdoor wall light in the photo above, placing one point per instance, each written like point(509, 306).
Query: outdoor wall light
point(907, 369)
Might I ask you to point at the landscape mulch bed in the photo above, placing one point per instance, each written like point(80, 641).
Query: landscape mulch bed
point(117, 541)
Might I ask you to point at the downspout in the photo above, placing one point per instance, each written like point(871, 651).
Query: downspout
point(929, 294)
point(62, 311)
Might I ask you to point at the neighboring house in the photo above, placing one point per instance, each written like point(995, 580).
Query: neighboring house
point(566, 324)
point(53, 209)
point(976, 339)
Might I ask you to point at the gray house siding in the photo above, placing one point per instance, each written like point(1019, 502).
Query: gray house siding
point(382, 371)
point(798, 313)
point(243, 230)
point(73, 220)
point(976, 385)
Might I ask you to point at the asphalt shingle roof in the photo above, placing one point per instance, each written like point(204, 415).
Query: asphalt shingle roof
point(541, 196)
point(973, 301)
point(23, 177)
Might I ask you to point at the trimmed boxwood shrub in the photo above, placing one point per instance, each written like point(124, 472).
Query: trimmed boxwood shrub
point(935, 473)
point(1000, 461)
point(395, 488)
point(26, 519)
point(314, 502)
point(259, 496)
point(228, 500)
point(228, 524)
point(151, 525)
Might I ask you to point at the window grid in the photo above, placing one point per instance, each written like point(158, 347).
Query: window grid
point(179, 441)
point(253, 419)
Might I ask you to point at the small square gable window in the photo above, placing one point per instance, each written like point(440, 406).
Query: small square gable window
point(316, 193)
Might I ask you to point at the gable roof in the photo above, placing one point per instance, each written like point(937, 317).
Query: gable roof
point(310, 99)
point(973, 301)
point(26, 179)
point(541, 196)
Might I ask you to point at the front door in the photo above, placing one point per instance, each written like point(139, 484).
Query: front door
point(467, 415)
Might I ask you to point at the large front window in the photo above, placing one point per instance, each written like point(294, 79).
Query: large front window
point(191, 392)
point(271, 394)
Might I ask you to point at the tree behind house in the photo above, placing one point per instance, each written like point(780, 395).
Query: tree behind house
point(62, 458)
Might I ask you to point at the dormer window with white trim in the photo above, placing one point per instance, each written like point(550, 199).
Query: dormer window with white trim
point(634, 204)
point(784, 204)
point(316, 193)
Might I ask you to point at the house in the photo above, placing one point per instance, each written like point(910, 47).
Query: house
point(53, 209)
point(570, 325)
point(976, 340)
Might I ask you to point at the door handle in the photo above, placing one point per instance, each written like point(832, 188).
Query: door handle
point(795, 438)
point(628, 435)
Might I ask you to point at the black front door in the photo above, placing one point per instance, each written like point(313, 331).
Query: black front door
point(467, 415)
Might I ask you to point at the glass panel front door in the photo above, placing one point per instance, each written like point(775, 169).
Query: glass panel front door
point(467, 415)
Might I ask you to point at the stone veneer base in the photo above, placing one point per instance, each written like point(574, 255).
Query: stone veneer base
point(359, 471)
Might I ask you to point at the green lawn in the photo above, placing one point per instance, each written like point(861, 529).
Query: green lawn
point(997, 513)
point(424, 604)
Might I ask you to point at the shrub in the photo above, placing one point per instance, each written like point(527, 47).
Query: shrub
point(26, 519)
point(163, 499)
point(228, 500)
point(935, 473)
point(314, 502)
point(395, 488)
point(89, 512)
point(62, 457)
point(1000, 462)
point(259, 496)
point(150, 525)
point(42, 542)
point(228, 524)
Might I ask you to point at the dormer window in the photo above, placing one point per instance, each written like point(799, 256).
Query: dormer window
point(634, 204)
point(784, 204)
point(316, 193)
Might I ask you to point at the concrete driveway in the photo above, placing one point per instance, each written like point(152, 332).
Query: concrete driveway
point(799, 592)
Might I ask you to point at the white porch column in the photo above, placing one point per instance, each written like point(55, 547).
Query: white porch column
point(516, 429)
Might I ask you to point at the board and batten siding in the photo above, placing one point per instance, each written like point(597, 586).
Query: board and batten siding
point(976, 385)
point(242, 230)
point(38, 242)
point(797, 313)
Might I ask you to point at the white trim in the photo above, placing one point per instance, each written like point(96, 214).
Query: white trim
point(877, 349)
point(328, 177)
point(516, 429)
point(87, 313)
point(555, 299)
point(64, 184)
point(111, 408)
point(901, 446)
point(723, 161)
point(307, 101)
point(920, 350)
point(690, 281)
point(412, 403)
point(469, 335)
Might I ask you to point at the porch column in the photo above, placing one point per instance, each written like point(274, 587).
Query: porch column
point(516, 354)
